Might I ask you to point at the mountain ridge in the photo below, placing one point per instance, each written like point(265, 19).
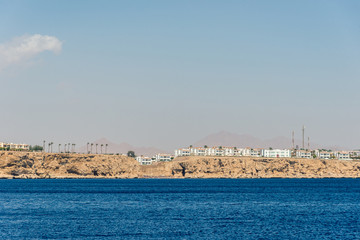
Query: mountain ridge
point(224, 138)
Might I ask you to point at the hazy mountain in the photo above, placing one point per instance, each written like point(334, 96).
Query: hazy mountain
point(224, 138)
point(122, 148)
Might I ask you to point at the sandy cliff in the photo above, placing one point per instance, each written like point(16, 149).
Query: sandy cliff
point(39, 165)
point(52, 165)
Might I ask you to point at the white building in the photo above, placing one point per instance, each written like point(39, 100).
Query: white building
point(323, 154)
point(182, 152)
point(355, 154)
point(276, 153)
point(303, 154)
point(342, 155)
point(14, 146)
point(197, 151)
point(145, 160)
point(163, 157)
point(229, 151)
point(214, 151)
point(246, 151)
point(255, 152)
point(210, 151)
point(238, 152)
point(218, 151)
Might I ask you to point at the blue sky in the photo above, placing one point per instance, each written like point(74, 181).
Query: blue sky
point(166, 73)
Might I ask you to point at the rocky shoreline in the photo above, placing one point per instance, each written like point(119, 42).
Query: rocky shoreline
point(51, 165)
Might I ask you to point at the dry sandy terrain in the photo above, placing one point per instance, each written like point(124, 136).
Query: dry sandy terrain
point(51, 165)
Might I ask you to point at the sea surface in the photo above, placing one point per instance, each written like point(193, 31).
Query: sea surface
point(180, 209)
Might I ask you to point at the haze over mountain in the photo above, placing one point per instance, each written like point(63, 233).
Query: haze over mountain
point(122, 148)
point(222, 138)
point(225, 138)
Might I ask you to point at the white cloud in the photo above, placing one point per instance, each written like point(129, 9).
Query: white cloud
point(23, 48)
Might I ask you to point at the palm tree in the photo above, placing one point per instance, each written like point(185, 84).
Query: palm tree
point(205, 146)
point(68, 147)
point(96, 148)
point(91, 147)
point(65, 148)
point(44, 146)
point(106, 145)
point(101, 146)
point(59, 147)
point(74, 147)
point(87, 148)
point(49, 147)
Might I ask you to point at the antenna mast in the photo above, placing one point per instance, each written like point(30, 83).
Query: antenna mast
point(303, 137)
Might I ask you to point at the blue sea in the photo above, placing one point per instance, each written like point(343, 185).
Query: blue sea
point(180, 209)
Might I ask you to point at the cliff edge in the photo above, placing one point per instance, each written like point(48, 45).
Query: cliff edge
point(52, 165)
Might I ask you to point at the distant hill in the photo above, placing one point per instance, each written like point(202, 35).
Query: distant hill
point(123, 148)
point(224, 138)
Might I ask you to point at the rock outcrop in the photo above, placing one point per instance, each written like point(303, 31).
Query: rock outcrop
point(51, 165)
